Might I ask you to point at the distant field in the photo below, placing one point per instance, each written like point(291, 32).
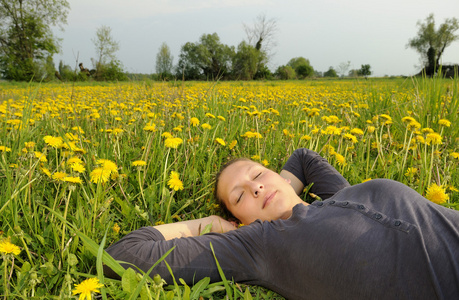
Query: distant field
point(82, 162)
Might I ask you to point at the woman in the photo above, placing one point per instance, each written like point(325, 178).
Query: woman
point(376, 240)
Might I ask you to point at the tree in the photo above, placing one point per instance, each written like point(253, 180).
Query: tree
point(285, 73)
point(245, 61)
point(301, 66)
point(207, 59)
point(164, 61)
point(343, 67)
point(261, 35)
point(105, 46)
point(26, 39)
point(430, 43)
point(330, 73)
point(364, 71)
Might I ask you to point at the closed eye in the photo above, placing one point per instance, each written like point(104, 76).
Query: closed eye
point(240, 197)
point(257, 175)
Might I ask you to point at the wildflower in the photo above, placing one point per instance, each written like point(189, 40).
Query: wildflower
point(232, 144)
point(174, 181)
point(332, 130)
point(86, 288)
point(265, 162)
point(340, 159)
point(414, 125)
point(99, 175)
point(350, 137)
point(29, 145)
point(178, 128)
point(40, 156)
point(139, 163)
point(173, 142)
point(433, 137)
point(454, 155)
point(150, 128)
point(116, 228)
point(427, 130)
point(411, 171)
point(221, 118)
point(107, 165)
point(305, 137)
point(255, 157)
point(371, 129)
point(159, 223)
point(46, 171)
point(206, 126)
point(194, 122)
point(436, 194)
point(210, 115)
point(59, 176)
point(357, 131)
point(5, 149)
point(444, 122)
point(420, 139)
point(72, 179)
point(408, 119)
point(71, 137)
point(53, 141)
point(250, 134)
point(6, 247)
point(74, 160)
point(220, 141)
point(167, 135)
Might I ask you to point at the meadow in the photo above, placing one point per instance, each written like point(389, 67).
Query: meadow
point(83, 164)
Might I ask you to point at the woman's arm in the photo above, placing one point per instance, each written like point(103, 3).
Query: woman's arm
point(194, 227)
point(305, 167)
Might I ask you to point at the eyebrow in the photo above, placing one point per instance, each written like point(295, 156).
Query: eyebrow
point(236, 186)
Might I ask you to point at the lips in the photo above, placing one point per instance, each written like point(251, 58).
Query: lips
point(269, 198)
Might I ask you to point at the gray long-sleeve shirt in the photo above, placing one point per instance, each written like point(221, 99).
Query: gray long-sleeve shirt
point(375, 240)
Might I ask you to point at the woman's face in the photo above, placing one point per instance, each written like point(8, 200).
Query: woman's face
point(251, 191)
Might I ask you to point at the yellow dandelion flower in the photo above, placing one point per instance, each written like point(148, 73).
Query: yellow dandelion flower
point(139, 163)
point(167, 135)
point(59, 176)
point(159, 223)
point(350, 137)
point(411, 171)
point(340, 159)
point(40, 156)
point(116, 228)
point(454, 155)
point(444, 122)
point(100, 175)
point(210, 115)
point(53, 141)
point(87, 288)
point(107, 165)
point(194, 122)
point(72, 179)
point(173, 142)
point(206, 126)
point(453, 189)
point(150, 128)
point(305, 137)
point(427, 130)
point(174, 181)
point(357, 131)
point(371, 129)
point(255, 157)
point(436, 194)
point(6, 247)
point(74, 160)
point(29, 145)
point(434, 138)
point(220, 141)
point(265, 162)
point(332, 130)
point(221, 118)
point(77, 167)
point(5, 149)
point(232, 144)
point(46, 171)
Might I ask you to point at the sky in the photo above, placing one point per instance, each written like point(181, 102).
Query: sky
point(327, 32)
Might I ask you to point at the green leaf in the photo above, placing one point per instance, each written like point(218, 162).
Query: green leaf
point(207, 293)
point(186, 294)
point(229, 293)
point(247, 295)
point(72, 259)
point(199, 287)
point(129, 281)
point(206, 229)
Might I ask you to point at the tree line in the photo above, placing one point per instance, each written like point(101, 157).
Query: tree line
point(27, 46)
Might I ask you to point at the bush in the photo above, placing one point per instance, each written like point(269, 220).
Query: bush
point(285, 73)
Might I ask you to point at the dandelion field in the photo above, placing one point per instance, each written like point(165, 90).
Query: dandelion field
point(82, 165)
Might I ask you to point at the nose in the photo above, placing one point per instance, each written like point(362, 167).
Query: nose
point(256, 188)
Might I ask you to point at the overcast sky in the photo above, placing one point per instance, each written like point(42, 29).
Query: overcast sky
point(327, 32)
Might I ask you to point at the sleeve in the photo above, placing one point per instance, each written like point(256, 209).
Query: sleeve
point(310, 167)
point(239, 253)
